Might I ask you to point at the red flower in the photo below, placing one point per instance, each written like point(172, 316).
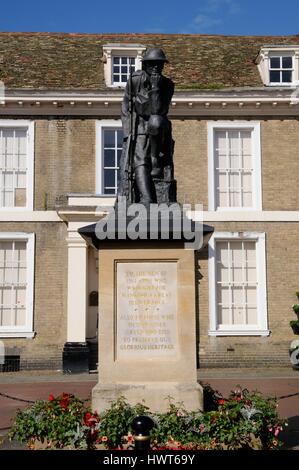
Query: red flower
point(51, 397)
point(87, 417)
point(64, 404)
point(221, 401)
point(237, 398)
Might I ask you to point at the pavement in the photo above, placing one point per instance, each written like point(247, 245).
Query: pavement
point(282, 383)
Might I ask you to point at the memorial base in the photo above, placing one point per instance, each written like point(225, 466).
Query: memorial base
point(156, 396)
point(147, 344)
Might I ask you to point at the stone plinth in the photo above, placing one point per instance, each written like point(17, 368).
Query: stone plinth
point(147, 346)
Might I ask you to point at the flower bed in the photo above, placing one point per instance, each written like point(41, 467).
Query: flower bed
point(244, 420)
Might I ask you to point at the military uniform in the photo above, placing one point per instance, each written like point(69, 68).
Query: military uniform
point(149, 129)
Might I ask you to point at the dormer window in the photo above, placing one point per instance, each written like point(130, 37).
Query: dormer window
point(279, 65)
point(122, 66)
point(281, 70)
point(119, 61)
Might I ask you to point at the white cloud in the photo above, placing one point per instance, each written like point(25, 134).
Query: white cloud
point(205, 22)
point(211, 14)
point(212, 6)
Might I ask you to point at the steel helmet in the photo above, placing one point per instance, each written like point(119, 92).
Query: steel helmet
point(154, 54)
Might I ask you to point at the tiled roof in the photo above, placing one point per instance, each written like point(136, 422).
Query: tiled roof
point(73, 61)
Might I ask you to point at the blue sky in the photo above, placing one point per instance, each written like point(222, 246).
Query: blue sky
point(245, 17)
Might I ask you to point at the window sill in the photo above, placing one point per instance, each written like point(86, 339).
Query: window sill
point(17, 334)
point(285, 85)
point(239, 333)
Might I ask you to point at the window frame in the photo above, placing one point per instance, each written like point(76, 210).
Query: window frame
point(121, 55)
point(25, 331)
point(261, 329)
point(281, 56)
point(120, 50)
point(104, 124)
point(30, 125)
point(263, 63)
point(254, 127)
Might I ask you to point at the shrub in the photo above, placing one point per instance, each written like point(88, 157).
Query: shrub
point(242, 421)
point(60, 422)
point(115, 424)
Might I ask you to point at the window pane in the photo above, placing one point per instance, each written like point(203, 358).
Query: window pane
point(119, 134)
point(275, 77)
point(223, 296)
point(234, 181)
point(246, 142)
point(233, 138)
point(287, 62)
point(247, 162)
point(247, 199)
point(109, 178)
point(236, 154)
point(221, 182)
point(287, 76)
point(238, 316)
point(250, 254)
point(13, 166)
point(221, 161)
point(109, 138)
point(234, 199)
point(236, 285)
point(6, 317)
point(220, 141)
point(237, 296)
point(275, 62)
point(20, 317)
point(116, 60)
point(224, 316)
point(109, 158)
point(222, 253)
point(246, 182)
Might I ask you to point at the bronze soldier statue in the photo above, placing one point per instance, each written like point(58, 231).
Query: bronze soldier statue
point(146, 166)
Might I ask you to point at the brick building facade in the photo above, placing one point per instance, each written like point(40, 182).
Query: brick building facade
point(235, 125)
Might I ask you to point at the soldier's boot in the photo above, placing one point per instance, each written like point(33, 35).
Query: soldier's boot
point(145, 186)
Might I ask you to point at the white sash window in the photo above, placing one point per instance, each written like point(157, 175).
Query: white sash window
point(16, 284)
point(16, 164)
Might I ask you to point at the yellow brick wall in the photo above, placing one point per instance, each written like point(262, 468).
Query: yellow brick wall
point(279, 157)
point(64, 159)
point(282, 254)
point(65, 162)
point(50, 291)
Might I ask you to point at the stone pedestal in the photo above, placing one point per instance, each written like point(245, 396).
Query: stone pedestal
point(147, 345)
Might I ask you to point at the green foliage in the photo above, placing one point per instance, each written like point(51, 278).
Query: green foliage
point(297, 293)
point(61, 421)
point(242, 421)
point(296, 307)
point(115, 423)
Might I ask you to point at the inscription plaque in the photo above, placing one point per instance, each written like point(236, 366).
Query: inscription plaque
point(146, 309)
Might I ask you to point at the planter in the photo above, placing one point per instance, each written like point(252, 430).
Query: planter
point(296, 310)
point(294, 354)
point(294, 324)
point(294, 358)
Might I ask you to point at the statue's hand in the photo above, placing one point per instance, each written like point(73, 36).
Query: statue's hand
point(155, 79)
